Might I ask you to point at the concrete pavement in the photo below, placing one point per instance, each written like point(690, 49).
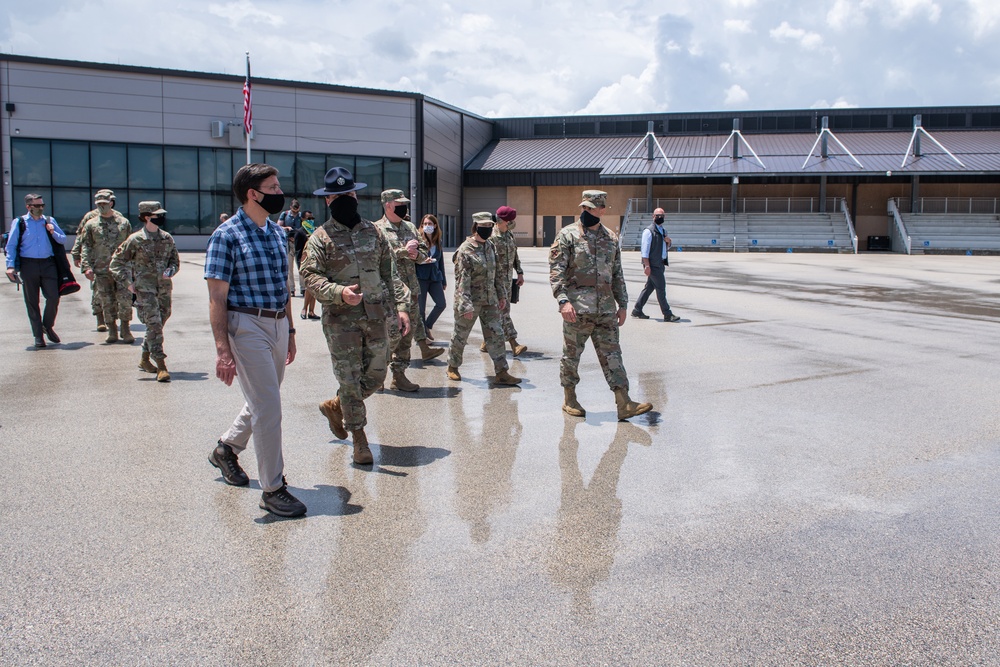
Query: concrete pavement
point(817, 485)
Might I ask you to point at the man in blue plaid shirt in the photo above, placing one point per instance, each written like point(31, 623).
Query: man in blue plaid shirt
point(246, 266)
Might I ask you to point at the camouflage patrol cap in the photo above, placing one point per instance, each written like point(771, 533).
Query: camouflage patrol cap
point(483, 218)
point(104, 195)
point(150, 207)
point(394, 195)
point(594, 198)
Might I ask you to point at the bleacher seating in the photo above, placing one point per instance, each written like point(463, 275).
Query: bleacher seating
point(812, 232)
point(948, 232)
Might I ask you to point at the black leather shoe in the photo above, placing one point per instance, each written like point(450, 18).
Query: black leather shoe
point(671, 318)
point(39, 341)
point(314, 316)
point(51, 333)
point(639, 315)
point(281, 502)
point(223, 458)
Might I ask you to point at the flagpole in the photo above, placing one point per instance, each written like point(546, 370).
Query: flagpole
point(247, 108)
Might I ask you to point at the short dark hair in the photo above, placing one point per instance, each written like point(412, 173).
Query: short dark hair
point(249, 177)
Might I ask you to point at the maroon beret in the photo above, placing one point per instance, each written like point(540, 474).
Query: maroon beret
point(506, 213)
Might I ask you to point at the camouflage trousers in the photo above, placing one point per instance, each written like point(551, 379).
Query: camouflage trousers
point(154, 311)
point(359, 350)
point(114, 300)
point(95, 303)
point(508, 325)
point(399, 346)
point(489, 316)
point(602, 330)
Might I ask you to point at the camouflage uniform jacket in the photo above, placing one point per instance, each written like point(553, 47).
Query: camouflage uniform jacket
point(336, 257)
point(585, 267)
point(477, 280)
point(143, 258)
point(398, 237)
point(507, 260)
point(101, 237)
point(77, 250)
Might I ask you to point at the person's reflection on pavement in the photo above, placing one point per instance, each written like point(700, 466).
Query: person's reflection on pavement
point(583, 547)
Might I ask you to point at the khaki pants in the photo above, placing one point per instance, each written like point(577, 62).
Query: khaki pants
point(259, 346)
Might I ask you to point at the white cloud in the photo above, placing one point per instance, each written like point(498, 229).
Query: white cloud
point(736, 96)
point(737, 25)
point(630, 94)
point(806, 39)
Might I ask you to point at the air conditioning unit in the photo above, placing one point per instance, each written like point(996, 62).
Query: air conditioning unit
point(218, 128)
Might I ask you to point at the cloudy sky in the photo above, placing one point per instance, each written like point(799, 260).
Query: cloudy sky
point(525, 57)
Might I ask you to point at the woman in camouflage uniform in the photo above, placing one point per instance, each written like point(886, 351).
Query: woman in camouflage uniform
point(480, 293)
point(145, 265)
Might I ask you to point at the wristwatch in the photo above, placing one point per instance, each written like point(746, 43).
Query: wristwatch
point(291, 330)
point(562, 301)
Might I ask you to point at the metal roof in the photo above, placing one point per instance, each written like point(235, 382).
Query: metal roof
point(781, 154)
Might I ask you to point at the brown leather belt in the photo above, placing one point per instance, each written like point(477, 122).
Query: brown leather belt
point(259, 312)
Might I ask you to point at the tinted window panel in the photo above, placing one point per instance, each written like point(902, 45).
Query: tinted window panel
point(145, 167)
point(30, 163)
point(71, 164)
point(181, 166)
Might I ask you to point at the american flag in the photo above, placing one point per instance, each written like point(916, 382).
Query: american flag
point(247, 102)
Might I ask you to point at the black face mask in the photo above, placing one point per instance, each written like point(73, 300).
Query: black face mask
point(272, 203)
point(484, 232)
point(344, 210)
point(400, 210)
point(588, 219)
point(158, 221)
point(658, 219)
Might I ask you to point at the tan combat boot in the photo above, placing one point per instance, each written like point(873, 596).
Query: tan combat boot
point(112, 333)
point(503, 377)
point(515, 348)
point(126, 333)
point(401, 383)
point(627, 407)
point(101, 326)
point(453, 373)
point(145, 364)
point(362, 454)
point(335, 415)
point(482, 346)
point(161, 371)
point(427, 352)
point(570, 405)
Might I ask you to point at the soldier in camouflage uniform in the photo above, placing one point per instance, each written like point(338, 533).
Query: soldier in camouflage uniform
point(479, 294)
point(408, 249)
point(507, 262)
point(348, 264)
point(101, 236)
point(145, 266)
point(585, 271)
point(102, 205)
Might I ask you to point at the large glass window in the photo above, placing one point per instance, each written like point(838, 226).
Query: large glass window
point(145, 167)
point(309, 172)
point(31, 162)
point(71, 204)
point(70, 164)
point(182, 213)
point(193, 184)
point(180, 168)
point(108, 166)
point(285, 164)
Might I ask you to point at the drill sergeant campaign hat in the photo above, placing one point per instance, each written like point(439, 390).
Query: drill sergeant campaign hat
point(594, 199)
point(339, 181)
point(394, 196)
point(152, 207)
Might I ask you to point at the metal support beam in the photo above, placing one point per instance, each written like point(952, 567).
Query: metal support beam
point(649, 194)
point(914, 192)
point(822, 194)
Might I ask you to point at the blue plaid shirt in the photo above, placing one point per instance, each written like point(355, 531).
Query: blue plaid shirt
point(252, 259)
